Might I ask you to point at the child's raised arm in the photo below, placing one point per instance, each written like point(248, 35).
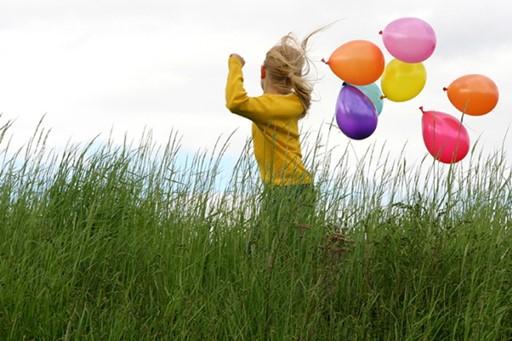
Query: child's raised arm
point(237, 101)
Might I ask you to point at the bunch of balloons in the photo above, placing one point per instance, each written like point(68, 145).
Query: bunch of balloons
point(410, 41)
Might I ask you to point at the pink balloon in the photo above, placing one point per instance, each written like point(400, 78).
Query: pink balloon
point(445, 137)
point(410, 40)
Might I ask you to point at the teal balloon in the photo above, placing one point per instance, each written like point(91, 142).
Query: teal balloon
point(372, 91)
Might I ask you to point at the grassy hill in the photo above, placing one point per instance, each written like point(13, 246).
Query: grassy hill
point(133, 243)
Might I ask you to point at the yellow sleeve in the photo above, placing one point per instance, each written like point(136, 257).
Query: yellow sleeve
point(237, 101)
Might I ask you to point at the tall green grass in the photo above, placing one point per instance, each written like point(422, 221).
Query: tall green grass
point(136, 242)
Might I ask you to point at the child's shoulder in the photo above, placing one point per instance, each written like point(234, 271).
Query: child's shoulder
point(288, 104)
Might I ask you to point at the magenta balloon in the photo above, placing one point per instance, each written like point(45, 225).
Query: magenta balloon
point(445, 137)
point(410, 40)
point(355, 113)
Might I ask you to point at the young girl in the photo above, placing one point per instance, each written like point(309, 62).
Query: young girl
point(288, 196)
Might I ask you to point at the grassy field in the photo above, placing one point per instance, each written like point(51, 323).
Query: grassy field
point(133, 242)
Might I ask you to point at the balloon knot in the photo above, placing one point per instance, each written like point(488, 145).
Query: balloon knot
point(421, 108)
point(445, 89)
point(382, 97)
point(323, 61)
point(380, 32)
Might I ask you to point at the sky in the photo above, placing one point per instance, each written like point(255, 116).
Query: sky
point(122, 66)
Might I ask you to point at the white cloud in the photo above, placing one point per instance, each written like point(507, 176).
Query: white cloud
point(162, 64)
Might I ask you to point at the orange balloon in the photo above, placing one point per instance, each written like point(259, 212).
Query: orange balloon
point(357, 62)
point(473, 94)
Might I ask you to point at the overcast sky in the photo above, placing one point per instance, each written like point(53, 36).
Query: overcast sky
point(129, 64)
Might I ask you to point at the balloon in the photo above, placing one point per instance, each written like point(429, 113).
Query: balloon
point(403, 81)
point(445, 137)
point(410, 40)
point(357, 62)
point(355, 113)
point(473, 94)
point(373, 92)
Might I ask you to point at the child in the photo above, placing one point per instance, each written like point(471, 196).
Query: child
point(288, 196)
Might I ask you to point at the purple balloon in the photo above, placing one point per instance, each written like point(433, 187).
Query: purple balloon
point(355, 113)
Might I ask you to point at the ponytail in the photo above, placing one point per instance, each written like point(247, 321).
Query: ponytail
point(288, 66)
point(303, 89)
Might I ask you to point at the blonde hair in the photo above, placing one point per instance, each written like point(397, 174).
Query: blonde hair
point(287, 65)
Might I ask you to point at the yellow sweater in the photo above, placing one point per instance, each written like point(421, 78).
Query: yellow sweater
point(275, 130)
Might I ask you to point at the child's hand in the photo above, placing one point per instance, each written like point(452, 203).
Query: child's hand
point(237, 56)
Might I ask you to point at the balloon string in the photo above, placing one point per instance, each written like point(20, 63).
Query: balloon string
point(465, 109)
